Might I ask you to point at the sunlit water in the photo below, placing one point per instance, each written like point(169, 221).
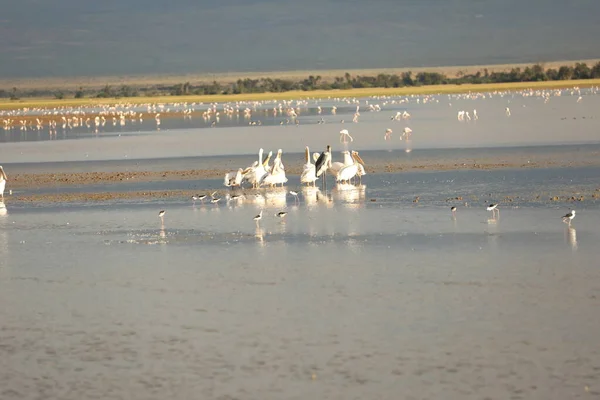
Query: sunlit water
point(360, 293)
point(374, 291)
point(533, 120)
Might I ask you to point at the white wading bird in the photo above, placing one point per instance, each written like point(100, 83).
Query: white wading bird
point(569, 217)
point(308, 170)
point(344, 135)
point(337, 166)
point(3, 180)
point(233, 178)
point(349, 171)
point(276, 175)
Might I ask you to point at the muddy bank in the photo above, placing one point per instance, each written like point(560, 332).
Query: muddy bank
point(43, 179)
point(574, 197)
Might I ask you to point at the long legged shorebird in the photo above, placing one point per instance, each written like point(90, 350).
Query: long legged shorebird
point(493, 208)
point(567, 218)
point(3, 180)
point(322, 164)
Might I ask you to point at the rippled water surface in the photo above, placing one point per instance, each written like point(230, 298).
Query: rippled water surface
point(360, 293)
point(374, 291)
point(536, 118)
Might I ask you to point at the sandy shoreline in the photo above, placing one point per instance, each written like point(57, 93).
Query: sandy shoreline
point(227, 77)
point(36, 175)
point(39, 180)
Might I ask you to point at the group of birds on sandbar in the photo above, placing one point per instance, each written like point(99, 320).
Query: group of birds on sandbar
point(262, 174)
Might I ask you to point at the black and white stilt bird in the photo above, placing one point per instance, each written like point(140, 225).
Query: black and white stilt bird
point(569, 217)
point(295, 194)
point(493, 208)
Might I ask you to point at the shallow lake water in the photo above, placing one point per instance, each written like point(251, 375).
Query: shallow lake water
point(532, 121)
point(368, 291)
point(343, 298)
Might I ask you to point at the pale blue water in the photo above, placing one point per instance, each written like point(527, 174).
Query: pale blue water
point(360, 292)
point(432, 116)
point(347, 298)
point(526, 187)
point(147, 37)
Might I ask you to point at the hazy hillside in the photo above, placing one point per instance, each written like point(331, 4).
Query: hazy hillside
point(113, 37)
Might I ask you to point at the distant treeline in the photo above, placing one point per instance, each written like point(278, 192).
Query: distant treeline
point(267, 85)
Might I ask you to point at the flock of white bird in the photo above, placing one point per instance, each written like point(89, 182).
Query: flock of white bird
point(289, 111)
point(262, 174)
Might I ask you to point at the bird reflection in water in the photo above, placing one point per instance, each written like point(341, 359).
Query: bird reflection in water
point(571, 237)
point(494, 220)
point(351, 196)
point(493, 231)
point(325, 199)
point(3, 210)
point(162, 233)
point(259, 235)
point(408, 147)
point(453, 216)
point(282, 225)
point(256, 199)
point(310, 195)
point(276, 198)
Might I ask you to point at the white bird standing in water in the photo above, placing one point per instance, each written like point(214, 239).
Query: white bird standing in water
point(3, 180)
point(344, 134)
point(257, 171)
point(388, 134)
point(308, 169)
point(258, 217)
point(233, 178)
point(569, 217)
point(337, 166)
point(349, 171)
point(276, 174)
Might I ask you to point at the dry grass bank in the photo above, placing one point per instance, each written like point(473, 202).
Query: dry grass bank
point(363, 92)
